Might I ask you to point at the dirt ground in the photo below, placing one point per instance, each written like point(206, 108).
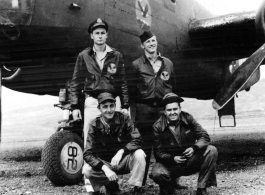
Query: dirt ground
point(240, 169)
point(27, 178)
point(240, 165)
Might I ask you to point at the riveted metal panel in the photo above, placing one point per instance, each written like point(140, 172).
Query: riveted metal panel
point(121, 16)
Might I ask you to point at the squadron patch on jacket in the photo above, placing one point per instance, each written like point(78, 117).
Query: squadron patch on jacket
point(164, 76)
point(112, 68)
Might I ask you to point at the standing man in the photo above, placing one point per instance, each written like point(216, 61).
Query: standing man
point(181, 148)
point(113, 147)
point(152, 76)
point(98, 68)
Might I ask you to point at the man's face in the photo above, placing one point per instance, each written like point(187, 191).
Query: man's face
point(107, 109)
point(150, 45)
point(172, 111)
point(99, 36)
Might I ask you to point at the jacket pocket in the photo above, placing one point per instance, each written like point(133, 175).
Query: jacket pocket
point(164, 86)
point(143, 89)
point(189, 135)
point(90, 80)
point(107, 82)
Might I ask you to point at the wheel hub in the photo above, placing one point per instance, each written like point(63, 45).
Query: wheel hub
point(72, 157)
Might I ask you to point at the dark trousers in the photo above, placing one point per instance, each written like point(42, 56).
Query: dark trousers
point(146, 116)
point(201, 162)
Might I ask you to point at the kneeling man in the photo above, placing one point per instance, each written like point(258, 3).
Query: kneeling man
point(113, 147)
point(181, 148)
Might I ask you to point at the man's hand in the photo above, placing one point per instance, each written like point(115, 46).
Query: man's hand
point(178, 159)
point(77, 114)
point(111, 175)
point(188, 152)
point(117, 158)
point(124, 111)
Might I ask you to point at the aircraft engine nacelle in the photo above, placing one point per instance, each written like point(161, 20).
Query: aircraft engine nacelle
point(231, 36)
point(260, 22)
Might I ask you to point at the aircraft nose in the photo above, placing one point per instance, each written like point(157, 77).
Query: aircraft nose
point(14, 13)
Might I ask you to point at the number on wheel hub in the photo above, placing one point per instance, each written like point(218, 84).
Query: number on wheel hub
point(72, 157)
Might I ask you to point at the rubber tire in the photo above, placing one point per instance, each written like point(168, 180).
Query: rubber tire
point(51, 158)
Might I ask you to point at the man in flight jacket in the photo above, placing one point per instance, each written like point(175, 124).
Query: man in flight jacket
point(182, 147)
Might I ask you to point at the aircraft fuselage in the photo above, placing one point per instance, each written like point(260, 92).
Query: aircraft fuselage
point(43, 38)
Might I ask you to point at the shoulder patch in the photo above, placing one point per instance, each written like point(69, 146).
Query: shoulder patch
point(165, 75)
point(112, 68)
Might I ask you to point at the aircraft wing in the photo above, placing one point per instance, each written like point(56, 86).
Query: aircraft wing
point(232, 36)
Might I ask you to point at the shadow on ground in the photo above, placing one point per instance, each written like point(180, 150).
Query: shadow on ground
point(236, 151)
point(240, 151)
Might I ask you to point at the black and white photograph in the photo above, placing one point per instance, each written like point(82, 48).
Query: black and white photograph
point(132, 97)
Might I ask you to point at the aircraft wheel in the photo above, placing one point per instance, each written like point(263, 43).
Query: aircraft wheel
point(62, 158)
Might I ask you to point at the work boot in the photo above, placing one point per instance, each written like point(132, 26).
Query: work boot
point(96, 193)
point(116, 192)
point(166, 190)
point(201, 191)
point(178, 186)
point(102, 191)
point(137, 191)
point(112, 188)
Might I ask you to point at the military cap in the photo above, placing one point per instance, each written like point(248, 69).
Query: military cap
point(145, 36)
point(98, 24)
point(105, 96)
point(171, 98)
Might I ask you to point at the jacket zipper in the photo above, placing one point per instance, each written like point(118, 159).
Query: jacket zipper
point(178, 141)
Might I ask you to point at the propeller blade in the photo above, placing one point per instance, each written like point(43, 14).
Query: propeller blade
point(238, 79)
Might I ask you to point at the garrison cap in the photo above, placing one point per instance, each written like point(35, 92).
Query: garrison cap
point(105, 96)
point(98, 24)
point(145, 36)
point(171, 98)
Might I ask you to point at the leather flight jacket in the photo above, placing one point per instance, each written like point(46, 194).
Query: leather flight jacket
point(169, 143)
point(91, 80)
point(146, 85)
point(104, 141)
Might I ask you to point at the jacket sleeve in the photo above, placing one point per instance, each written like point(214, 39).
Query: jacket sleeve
point(201, 135)
point(173, 79)
point(78, 80)
point(133, 81)
point(159, 151)
point(135, 137)
point(122, 88)
point(91, 149)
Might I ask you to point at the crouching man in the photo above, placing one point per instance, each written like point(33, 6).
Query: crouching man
point(113, 147)
point(181, 149)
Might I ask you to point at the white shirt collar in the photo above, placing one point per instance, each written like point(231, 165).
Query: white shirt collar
point(108, 49)
point(149, 56)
